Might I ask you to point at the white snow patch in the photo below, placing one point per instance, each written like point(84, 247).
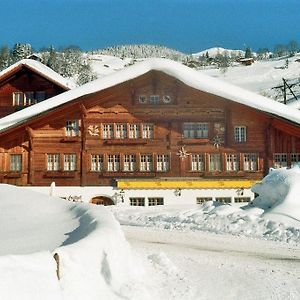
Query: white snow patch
point(95, 261)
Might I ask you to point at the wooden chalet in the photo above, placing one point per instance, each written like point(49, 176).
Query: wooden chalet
point(28, 82)
point(152, 125)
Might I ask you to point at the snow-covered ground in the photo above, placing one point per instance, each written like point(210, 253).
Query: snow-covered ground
point(208, 251)
point(262, 76)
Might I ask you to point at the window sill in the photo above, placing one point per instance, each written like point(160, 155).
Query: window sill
point(62, 174)
point(194, 141)
point(13, 175)
point(126, 142)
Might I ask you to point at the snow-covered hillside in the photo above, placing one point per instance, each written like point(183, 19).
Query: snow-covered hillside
point(215, 51)
point(262, 76)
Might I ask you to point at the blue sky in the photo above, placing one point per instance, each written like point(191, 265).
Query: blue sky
point(186, 25)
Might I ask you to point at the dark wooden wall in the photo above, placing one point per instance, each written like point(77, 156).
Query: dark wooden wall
point(24, 80)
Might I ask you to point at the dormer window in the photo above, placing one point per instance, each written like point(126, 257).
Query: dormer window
point(154, 99)
point(72, 128)
point(18, 99)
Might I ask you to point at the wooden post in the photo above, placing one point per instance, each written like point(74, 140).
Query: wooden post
point(56, 257)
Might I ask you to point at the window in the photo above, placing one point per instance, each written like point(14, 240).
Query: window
point(195, 130)
point(137, 201)
point(69, 162)
point(148, 131)
point(214, 162)
point(223, 199)
point(40, 96)
point(18, 99)
point(201, 200)
point(242, 199)
point(113, 163)
point(108, 131)
point(155, 201)
point(72, 128)
point(250, 162)
point(295, 159)
point(146, 163)
point(167, 99)
point(142, 99)
point(16, 162)
point(29, 98)
point(53, 162)
point(134, 131)
point(232, 162)
point(162, 163)
point(121, 131)
point(154, 99)
point(129, 163)
point(240, 134)
point(280, 160)
point(197, 162)
point(97, 162)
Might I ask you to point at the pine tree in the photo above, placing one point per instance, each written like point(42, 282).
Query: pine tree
point(248, 53)
point(20, 51)
point(4, 58)
point(85, 74)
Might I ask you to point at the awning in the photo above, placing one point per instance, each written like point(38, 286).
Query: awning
point(185, 184)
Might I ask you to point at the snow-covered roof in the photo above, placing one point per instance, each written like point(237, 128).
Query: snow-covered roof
point(42, 70)
point(187, 75)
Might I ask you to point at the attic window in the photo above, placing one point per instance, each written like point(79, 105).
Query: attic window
point(40, 96)
point(18, 99)
point(154, 99)
point(142, 99)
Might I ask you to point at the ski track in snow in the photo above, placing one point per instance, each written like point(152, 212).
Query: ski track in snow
point(198, 265)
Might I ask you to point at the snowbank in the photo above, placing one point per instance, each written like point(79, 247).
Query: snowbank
point(279, 195)
point(274, 215)
point(95, 260)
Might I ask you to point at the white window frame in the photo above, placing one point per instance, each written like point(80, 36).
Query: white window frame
point(134, 131)
point(195, 130)
point(215, 162)
point(146, 162)
point(29, 98)
point(18, 99)
point(72, 128)
point(162, 163)
point(240, 134)
point(97, 162)
point(107, 131)
point(197, 162)
point(232, 162)
point(70, 162)
point(113, 162)
point(121, 131)
point(129, 163)
point(279, 160)
point(53, 162)
point(295, 159)
point(148, 131)
point(15, 162)
point(250, 161)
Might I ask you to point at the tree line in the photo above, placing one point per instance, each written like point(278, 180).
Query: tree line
point(68, 62)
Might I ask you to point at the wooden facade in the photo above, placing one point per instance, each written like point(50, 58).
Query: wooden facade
point(150, 127)
point(23, 86)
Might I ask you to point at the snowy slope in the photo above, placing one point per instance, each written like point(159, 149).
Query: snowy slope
point(262, 76)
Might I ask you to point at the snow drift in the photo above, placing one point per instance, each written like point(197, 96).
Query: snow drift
point(273, 215)
point(94, 258)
